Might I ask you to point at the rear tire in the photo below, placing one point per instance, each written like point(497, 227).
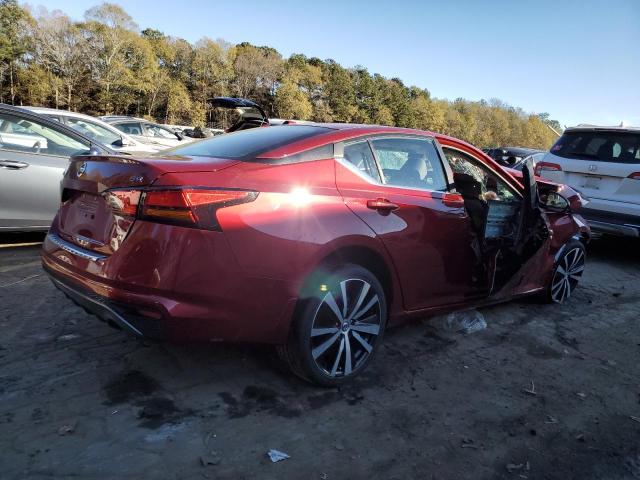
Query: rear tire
point(333, 340)
point(567, 272)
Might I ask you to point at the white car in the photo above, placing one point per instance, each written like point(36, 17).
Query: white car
point(603, 164)
point(145, 131)
point(98, 130)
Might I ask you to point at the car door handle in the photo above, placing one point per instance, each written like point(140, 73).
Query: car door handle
point(13, 165)
point(382, 205)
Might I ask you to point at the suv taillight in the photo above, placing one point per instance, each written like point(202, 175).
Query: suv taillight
point(188, 207)
point(634, 176)
point(548, 166)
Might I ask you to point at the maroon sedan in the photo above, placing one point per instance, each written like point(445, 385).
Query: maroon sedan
point(313, 237)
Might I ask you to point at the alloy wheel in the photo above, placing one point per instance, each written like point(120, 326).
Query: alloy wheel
point(567, 274)
point(345, 328)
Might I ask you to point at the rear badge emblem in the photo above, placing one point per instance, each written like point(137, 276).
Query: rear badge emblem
point(81, 170)
point(593, 168)
point(136, 179)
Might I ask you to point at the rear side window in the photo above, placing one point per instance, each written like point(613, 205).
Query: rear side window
point(410, 162)
point(247, 143)
point(359, 155)
point(157, 131)
point(131, 128)
point(601, 146)
point(93, 130)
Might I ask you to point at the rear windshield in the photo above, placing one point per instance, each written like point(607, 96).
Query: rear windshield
point(247, 143)
point(618, 147)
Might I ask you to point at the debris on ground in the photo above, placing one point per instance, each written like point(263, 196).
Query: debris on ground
point(468, 443)
point(67, 429)
point(464, 321)
point(635, 419)
point(69, 336)
point(513, 467)
point(581, 395)
point(277, 455)
point(532, 390)
point(211, 459)
point(516, 467)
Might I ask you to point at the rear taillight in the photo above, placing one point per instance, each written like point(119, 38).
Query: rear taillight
point(546, 166)
point(634, 176)
point(188, 207)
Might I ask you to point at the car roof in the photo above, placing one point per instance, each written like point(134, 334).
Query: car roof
point(584, 127)
point(338, 132)
point(65, 113)
point(124, 118)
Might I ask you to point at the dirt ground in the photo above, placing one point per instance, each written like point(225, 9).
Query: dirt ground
point(79, 399)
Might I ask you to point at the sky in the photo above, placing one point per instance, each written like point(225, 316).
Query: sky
point(578, 60)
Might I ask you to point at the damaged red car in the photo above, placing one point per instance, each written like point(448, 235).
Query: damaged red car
point(314, 238)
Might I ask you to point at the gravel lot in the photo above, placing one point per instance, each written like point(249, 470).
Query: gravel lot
point(79, 399)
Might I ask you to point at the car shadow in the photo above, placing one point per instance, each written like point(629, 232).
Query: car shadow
point(19, 239)
point(615, 249)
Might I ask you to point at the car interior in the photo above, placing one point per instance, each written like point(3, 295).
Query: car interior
point(130, 128)
point(491, 204)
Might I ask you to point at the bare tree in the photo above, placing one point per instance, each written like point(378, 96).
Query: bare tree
point(62, 49)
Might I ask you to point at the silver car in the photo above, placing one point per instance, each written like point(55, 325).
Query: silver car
point(100, 131)
point(34, 153)
point(145, 131)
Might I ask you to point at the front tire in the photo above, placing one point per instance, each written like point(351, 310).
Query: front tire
point(338, 326)
point(567, 272)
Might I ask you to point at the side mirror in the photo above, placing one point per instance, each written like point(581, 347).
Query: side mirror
point(118, 143)
point(554, 202)
point(179, 135)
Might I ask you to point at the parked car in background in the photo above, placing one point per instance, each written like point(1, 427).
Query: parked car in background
point(98, 130)
point(336, 230)
point(603, 163)
point(34, 153)
point(511, 156)
point(145, 131)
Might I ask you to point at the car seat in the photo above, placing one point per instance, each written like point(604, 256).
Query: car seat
point(413, 172)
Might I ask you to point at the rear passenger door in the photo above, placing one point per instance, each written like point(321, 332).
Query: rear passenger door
point(398, 185)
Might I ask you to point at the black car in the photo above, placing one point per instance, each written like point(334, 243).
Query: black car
point(512, 157)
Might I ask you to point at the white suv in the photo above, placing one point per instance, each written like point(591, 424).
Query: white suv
point(602, 163)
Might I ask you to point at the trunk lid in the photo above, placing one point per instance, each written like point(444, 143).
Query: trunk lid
point(86, 217)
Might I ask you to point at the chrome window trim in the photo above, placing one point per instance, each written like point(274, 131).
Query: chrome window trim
point(485, 165)
point(69, 247)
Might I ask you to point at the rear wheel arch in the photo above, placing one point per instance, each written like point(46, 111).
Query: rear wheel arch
point(362, 256)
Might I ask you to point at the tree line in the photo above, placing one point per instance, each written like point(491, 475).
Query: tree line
point(105, 64)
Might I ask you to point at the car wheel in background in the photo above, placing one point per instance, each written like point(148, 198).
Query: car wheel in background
point(567, 272)
point(338, 326)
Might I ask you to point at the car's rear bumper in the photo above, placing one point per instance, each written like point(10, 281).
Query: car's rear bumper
point(172, 289)
point(612, 222)
point(115, 314)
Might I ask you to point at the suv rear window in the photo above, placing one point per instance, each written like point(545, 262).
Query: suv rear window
point(247, 143)
point(601, 146)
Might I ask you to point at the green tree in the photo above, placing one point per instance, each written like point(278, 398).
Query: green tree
point(14, 43)
point(109, 32)
point(291, 102)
